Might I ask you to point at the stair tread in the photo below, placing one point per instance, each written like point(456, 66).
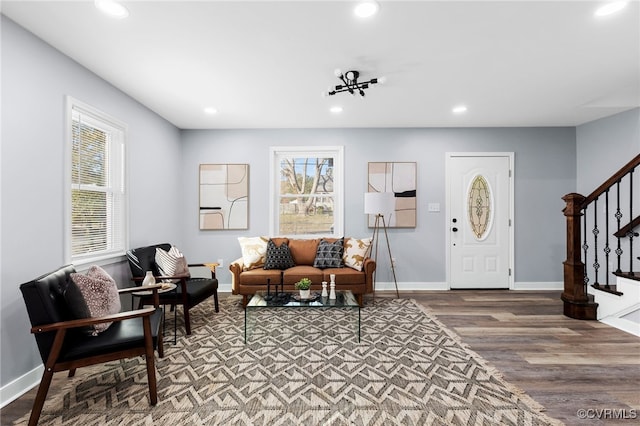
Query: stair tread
point(629, 275)
point(611, 289)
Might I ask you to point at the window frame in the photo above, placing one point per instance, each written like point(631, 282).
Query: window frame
point(118, 171)
point(335, 152)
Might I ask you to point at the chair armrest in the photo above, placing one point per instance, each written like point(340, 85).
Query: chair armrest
point(139, 313)
point(154, 291)
point(139, 288)
point(212, 267)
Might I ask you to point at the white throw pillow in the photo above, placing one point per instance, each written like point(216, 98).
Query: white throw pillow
point(355, 251)
point(171, 263)
point(254, 251)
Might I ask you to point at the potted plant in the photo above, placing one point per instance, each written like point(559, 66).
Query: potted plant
point(304, 285)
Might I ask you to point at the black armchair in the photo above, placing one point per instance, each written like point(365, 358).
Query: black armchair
point(189, 292)
point(64, 344)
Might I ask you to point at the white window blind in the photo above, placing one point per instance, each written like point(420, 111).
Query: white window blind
point(98, 198)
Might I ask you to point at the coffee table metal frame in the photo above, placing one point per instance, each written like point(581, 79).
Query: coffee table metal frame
point(344, 299)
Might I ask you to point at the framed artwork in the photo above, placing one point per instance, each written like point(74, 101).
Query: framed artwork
point(398, 178)
point(224, 196)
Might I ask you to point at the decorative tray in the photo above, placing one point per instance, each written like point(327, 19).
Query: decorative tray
point(297, 298)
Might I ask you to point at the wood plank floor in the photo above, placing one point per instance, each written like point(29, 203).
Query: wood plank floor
point(566, 365)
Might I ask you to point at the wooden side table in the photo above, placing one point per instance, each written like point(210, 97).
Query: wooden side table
point(166, 288)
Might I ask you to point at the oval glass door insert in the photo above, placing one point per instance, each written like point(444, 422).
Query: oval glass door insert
point(480, 207)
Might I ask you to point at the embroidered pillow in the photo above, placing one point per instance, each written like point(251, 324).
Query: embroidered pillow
point(355, 251)
point(171, 263)
point(93, 295)
point(278, 257)
point(329, 254)
point(254, 250)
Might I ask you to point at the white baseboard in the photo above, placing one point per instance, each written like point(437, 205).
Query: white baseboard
point(410, 286)
point(18, 387)
point(429, 286)
point(623, 324)
point(542, 286)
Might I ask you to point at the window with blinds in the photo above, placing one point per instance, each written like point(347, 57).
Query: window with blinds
point(98, 203)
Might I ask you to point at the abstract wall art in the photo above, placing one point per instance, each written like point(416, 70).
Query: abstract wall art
point(400, 179)
point(224, 196)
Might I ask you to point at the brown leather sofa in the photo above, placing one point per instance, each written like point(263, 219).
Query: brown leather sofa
point(303, 251)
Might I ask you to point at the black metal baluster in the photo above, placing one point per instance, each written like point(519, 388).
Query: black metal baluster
point(585, 247)
point(607, 249)
point(595, 231)
point(631, 231)
point(618, 217)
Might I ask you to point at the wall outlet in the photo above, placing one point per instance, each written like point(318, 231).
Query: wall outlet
point(220, 263)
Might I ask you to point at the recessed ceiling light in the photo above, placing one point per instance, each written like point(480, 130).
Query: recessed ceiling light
point(336, 109)
point(610, 8)
point(210, 110)
point(459, 109)
point(365, 9)
point(112, 8)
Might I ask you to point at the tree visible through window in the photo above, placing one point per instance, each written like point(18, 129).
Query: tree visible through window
point(97, 214)
point(309, 192)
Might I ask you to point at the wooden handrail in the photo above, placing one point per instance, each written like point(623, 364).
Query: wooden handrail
point(635, 162)
point(627, 228)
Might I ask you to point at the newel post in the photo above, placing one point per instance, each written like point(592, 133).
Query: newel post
point(577, 303)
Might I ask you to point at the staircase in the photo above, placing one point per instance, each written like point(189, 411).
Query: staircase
point(620, 308)
point(601, 273)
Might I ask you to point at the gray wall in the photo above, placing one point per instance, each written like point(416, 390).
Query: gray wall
point(544, 172)
point(35, 80)
point(604, 146)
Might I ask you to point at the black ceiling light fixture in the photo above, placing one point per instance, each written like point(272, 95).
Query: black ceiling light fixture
point(351, 83)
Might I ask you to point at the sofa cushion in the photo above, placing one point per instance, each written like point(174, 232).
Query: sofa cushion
point(278, 257)
point(254, 250)
point(304, 251)
point(259, 277)
point(295, 274)
point(93, 295)
point(344, 276)
point(329, 254)
point(355, 251)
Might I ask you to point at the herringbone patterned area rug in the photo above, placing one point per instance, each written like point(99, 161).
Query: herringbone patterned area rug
point(301, 367)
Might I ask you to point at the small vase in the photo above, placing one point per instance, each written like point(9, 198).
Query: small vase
point(149, 279)
point(305, 294)
point(324, 289)
point(332, 293)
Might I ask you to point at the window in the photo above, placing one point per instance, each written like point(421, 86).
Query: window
point(307, 191)
point(96, 201)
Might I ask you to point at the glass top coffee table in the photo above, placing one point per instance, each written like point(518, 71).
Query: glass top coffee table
point(260, 301)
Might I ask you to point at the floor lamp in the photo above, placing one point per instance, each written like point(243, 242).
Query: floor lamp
point(379, 204)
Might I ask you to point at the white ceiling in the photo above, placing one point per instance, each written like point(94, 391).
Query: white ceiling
point(264, 64)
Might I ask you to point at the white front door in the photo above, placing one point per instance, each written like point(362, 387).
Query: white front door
point(479, 219)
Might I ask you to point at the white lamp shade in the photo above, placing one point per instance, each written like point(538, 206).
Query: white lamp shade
point(379, 203)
